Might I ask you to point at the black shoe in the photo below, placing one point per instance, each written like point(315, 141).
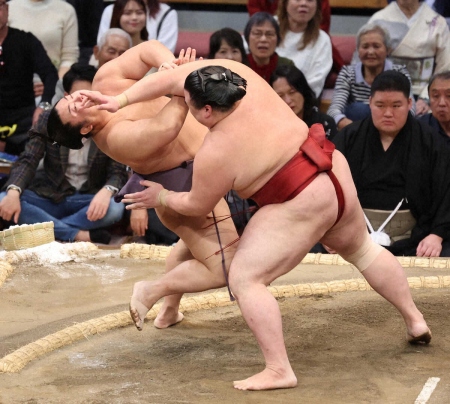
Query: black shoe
point(100, 236)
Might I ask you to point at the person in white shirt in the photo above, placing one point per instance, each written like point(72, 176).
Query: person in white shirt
point(162, 23)
point(304, 42)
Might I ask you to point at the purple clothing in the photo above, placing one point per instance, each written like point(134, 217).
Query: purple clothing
point(178, 179)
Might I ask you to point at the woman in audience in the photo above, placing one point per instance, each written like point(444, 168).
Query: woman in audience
point(304, 42)
point(351, 94)
point(54, 23)
point(130, 15)
point(226, 43)
point(262, 34)
point(161, 23)
point(291, 85)
point(420, 41)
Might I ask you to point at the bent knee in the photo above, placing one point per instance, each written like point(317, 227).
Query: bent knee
point(365, 254)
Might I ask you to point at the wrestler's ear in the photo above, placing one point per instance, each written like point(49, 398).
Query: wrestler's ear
point(208, 111)
point(86, 129)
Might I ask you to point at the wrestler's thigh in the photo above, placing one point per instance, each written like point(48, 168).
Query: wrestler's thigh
point(200, 236)
point(180, 253)
point(278, 236)
point(347, 235)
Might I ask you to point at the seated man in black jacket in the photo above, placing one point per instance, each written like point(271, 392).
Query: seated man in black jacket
point(398, 163)
point(76, 187)
point(21, 55)
point(439, 95)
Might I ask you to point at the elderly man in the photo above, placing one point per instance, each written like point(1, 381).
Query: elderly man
point(398, 164)
point(439, 93)
point(304, 190)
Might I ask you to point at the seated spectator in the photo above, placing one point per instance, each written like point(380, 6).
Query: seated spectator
point(226, 43)
point(304, 42)
point(21, 55)
point(130, 15)
point(76, 187)
point(420, 39)
point(397, 163)
point(262, 34)
point(112, 44)
point(89, 13)
point(161, 23)
point(54, 23)
point(291, 85)
point(351, 95)
point(439, 93)
point(271, 6)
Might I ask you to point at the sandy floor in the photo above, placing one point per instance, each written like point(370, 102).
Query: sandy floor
point(345, 348)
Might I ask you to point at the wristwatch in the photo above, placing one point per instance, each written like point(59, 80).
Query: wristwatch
point(111, 189)
point(14, 188)
point(45, 105)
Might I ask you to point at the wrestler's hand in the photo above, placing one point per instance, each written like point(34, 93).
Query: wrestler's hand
point(146, 199)
point(167, 66)
point(190, 55)
point(99, 205)
point(430, 246)
point(102, 102)
point(139, 221)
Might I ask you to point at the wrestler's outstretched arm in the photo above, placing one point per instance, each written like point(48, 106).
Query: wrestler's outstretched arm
point(212, 179)
point(150, 87)
point(131, 66)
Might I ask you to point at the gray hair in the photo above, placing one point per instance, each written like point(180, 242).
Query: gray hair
point(445, 75)
point(117, 32)
point(374, 27)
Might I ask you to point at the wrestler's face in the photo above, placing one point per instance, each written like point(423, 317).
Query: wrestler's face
point(389, 111)
point(290, 95)
point(134, 18)
point(226, 51)
point(300, 12)
point(372, 51)
point(70, 107)
point(262, 42)
point(440, 100)
point(114, 46)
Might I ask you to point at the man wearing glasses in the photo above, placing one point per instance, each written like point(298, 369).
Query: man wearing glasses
point(21, 55)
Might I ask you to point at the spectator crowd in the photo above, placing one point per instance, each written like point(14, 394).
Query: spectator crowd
point(389, 112)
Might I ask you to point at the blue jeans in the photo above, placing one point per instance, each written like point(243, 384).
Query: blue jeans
point(357, 111)
point(69, 216)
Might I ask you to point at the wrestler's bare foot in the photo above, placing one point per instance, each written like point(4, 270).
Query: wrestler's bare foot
point(140, 303)
point(268, 379)
point(418, 333)
point(167, 317)
point(423, 338)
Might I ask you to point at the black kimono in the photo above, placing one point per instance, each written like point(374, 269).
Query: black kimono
point(416, 166)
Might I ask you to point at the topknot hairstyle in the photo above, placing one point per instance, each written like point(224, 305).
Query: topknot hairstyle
point(216, 86)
